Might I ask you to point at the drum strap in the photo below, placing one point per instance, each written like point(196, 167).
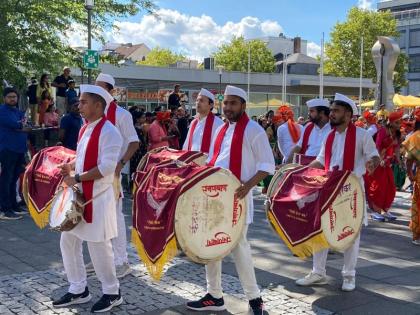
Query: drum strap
point(349, 148)
point(235, 159)
point(306, 135)
point(111, 113)
point(206, 140)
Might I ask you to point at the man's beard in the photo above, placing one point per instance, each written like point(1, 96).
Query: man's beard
point(315, 120)
point(338, 122)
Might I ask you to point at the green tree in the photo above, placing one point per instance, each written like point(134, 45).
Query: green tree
point(343, 51)
point(161, 57)
point(234, 56)
point(32, 32)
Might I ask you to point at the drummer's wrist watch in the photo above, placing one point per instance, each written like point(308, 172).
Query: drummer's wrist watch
point(77, 178)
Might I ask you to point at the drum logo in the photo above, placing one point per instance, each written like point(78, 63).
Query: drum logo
point(166, 180)
point(219, 238)
point(353, 205)
point(237, 211)
point(347, 231)
point(333, 218)
point(213, 191)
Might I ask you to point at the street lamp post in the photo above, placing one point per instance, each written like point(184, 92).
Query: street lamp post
point(89, 4)
point(220, 87)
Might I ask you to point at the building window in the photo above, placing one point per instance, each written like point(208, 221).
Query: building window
point(415, 38)
point(401, 39)
point(414, 63)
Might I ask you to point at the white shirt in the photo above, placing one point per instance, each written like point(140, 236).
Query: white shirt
point(104, 222)
point(316, 138)
point(197, 138)
point(124, 124)
point(256, 156)
point(372, 130)
point(284, 140)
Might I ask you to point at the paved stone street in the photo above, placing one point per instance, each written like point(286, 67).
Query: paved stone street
point(388, 280)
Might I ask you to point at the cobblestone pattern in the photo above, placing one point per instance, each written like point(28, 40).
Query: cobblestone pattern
point(31, 293)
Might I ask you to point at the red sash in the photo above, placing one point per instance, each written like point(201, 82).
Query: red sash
point(205, 142)
point(111, 114)
point(235, 160)
point(91, 161)
point(306, 135)
point(349, 148)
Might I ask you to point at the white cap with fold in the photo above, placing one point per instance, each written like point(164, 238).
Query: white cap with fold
point(94, 89)
point(345, 99)
point(316, 102)
point(103, 77)
point(207, 93)
point(235, 91)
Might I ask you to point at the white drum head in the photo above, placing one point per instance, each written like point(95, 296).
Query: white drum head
point(208, 219)
point(60, 206)
point(341, 223)
point(277, 177)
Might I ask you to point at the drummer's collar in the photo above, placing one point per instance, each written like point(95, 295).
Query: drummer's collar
point(95, 122)
point(343, 130)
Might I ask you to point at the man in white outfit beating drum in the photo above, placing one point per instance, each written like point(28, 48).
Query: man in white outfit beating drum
point(347, 148)
point(94, 167)
point(203, 128)
point(241, 146)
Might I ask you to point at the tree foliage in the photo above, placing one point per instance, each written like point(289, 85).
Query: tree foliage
point(343, 51)
point(161, 57)
point(234, 56)
point(32, 32)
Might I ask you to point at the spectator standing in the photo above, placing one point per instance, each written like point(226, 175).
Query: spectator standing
point(50, 120)
point(70, 126)
point(33, 102)
point(13, 147)
point(71, 94)
point(43, 86)
point(61, 83)
point(44, 104)
point(139, 119)
point(174, 132)
point(158, 131)
point(174, 99)
point(182, 125)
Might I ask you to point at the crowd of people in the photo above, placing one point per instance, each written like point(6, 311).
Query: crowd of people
point(379, 148)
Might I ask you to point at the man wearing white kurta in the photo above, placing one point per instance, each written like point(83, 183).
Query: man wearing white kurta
point(103, 223)
point(123, 121)
point(285, 141)
point(366, 157)
point(257, 161)
point(318, 112)
point(204, 105)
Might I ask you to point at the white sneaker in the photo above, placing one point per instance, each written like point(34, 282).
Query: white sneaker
point(312, 279)
point(123, 270)
point(416, 242)
point(89, 268)
point(349, 284)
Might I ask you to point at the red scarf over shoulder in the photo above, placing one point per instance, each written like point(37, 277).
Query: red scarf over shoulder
point(306, 135)
point(235, 159)
point(205, 142)
point(349, 148)
point(91, 161)
point(111, 113)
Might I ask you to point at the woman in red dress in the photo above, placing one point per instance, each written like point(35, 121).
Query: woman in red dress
point(380, 186)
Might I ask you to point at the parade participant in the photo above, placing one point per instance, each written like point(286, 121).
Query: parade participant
point(123, 120)
point(94, 168)
point(412, 149)
point(240, 145)
point(204, 126)
point(347, 148)
point(372, 127)
point(288, 133)
point(382, 113)
point(315, 132)
point(158, 131)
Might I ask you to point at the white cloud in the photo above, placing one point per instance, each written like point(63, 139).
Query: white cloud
point(76, 36)
point(314, 49)
point(195, 36)
point(365, 4)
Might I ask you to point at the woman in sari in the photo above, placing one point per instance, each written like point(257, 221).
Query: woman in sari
point(380, 186)
point(412, 148)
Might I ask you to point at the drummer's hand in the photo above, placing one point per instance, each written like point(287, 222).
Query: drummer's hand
point(242, 191)
point(65, 169)
point(118, 169)
point(372, 164)
point(70, 181)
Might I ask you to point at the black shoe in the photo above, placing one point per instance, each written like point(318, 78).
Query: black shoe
point(207, 303)
point(257, 306)
point(20, 210)
point(9, 215)
point(107, 302)
point(70, 299)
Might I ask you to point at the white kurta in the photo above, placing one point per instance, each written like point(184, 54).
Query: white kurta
point(284, 140)
point(197, 138)
point(256, 156)
point(316, 138)
point(104, 222)
point(372, 130)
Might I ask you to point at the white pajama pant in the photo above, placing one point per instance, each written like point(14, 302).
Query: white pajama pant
point(119, 244)
point(244, 267)
point(102, 258)
point(350, 260)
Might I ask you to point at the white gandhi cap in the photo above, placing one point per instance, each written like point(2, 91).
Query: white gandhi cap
point(345, 99)
point(316, 102)
point(103, 77)
point(235, 91)
point(207, 93)
point(89, 88)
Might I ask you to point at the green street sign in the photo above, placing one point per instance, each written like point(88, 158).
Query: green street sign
point(220, 97)
point(91, 59)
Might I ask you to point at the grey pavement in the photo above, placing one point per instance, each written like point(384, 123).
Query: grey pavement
point(388, 274)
